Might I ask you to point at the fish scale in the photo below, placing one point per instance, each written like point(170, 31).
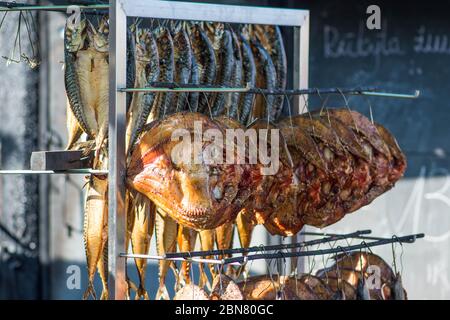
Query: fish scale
point(206, 61)
point(142, 231)
point(249, 77)
point(183, 62)
point(232, 102)
point(167, 67)
point(147, 71)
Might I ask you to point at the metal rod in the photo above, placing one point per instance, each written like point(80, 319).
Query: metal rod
point(117, 218)
point(24, 7)
point(171, 87)
point(69, 171)
point(190, 87)
point(195, 260)
point(362, 237)
point(282, 255)
point(266, 248)
point(392, 95)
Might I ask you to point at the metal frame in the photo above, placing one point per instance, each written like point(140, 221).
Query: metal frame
point(118, 12)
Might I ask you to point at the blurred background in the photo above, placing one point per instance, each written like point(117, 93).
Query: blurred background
point(41, 217)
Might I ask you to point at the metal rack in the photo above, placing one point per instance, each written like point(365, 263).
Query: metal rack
point(119, 10)
point(278, 251)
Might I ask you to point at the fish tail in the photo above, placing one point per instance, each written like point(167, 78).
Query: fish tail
point(90, 291)
point(141, 293)
point(162, 293)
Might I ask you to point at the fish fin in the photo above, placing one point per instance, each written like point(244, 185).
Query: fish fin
point(162, 293)
point(90, 291)
point(141, 293)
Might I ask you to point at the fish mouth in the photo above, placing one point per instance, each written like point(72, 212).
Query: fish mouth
point(195, 208)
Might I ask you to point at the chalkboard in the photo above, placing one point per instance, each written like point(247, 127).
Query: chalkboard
point(411, 51)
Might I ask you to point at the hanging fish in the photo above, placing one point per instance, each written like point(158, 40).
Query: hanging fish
point(144, 221)
point(164, 41)
point(166, 242)
point(271, 39)
point(249, 77)
point(206, 62)
point(265, 79)
point(223, 47)
point(232, 102)
point(74, 66)
point(183, 62)
point(187, 238)
point(95, 228)
point(147, 71)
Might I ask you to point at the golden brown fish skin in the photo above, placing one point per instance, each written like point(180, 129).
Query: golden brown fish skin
point(206, 61)
point(265, 79)
point(99, 82)
point(187, 238)
point(167, 68)
point(73, 128)
point(95, 220)
point(141, 235)
point(183, 62)
point(102, 268)
point(272, 40)
point(74, 44)
point(224, 52)
point(232, 102)
point(249, 77)
point(147, 71)
point(166, 242)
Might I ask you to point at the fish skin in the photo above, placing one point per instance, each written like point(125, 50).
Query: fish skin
point(272, 40)
point(224, 52)
point(147, 71)
point(74, 130)
point(95, 218)
point(207, 239)
point(265, 79)
point(74, 42)
point(192, 103)
point(131, 62)
point(166, 241)
point(96, 85)
point(102, 268)
point(249, 77)
point(232, 102)
point(224, 240)
point(206, 61)
point(187, 238)
point(144, 221)
point(167, 68)
point(183, 62)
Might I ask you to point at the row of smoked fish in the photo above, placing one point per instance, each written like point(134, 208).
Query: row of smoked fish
point(332, 162)
point(353, 276)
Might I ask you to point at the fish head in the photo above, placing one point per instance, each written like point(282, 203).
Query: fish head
point(75, 36)
point(183, 176)
point(98, 38)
